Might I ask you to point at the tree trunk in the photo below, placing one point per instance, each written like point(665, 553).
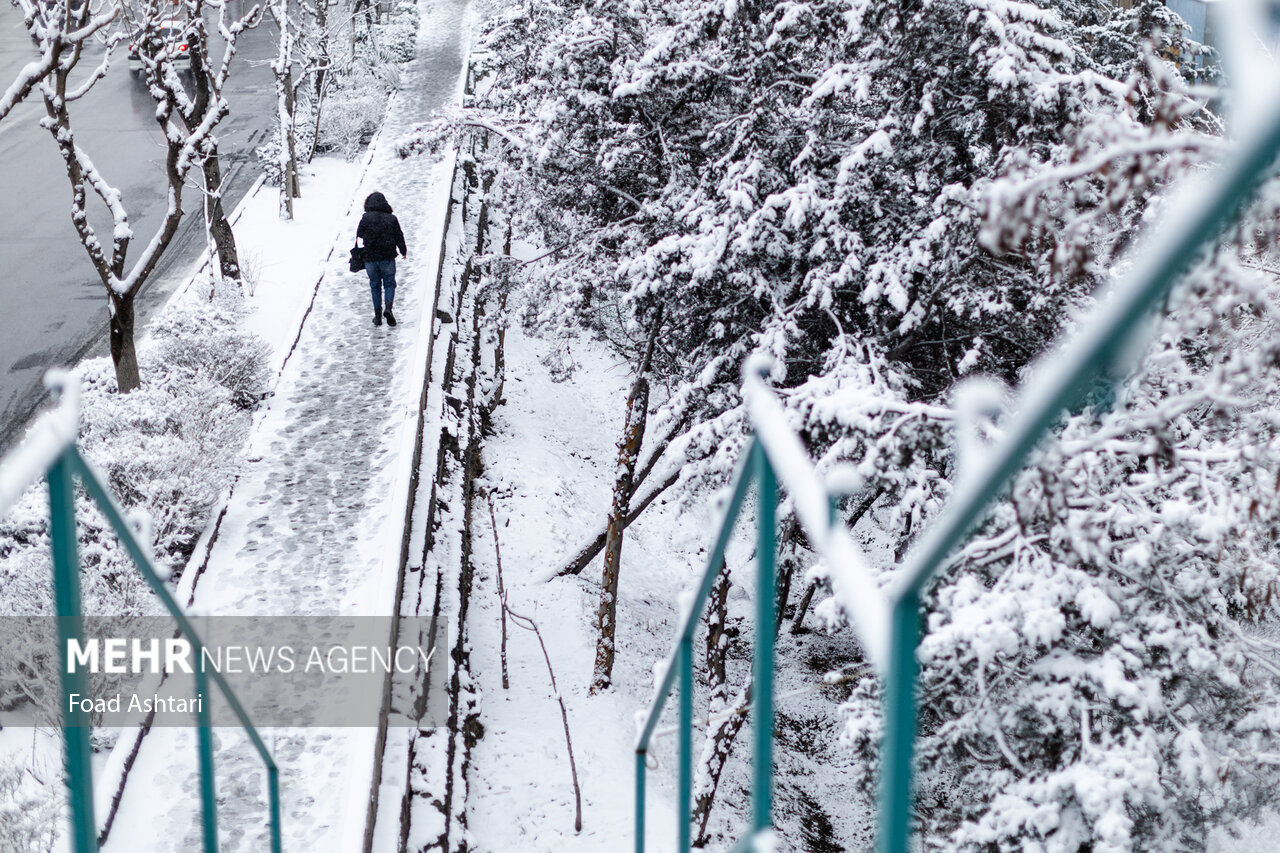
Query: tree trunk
point(123, 354)
point(715, 754)
point(628, 453)
point(295, 189)
point(282, 68)
point(219, 228)
point(322, 27)
point(786, 571)
point(717, 648)
point(315, 128)
point(286, 197)
point(322, 72)
point(717, 652)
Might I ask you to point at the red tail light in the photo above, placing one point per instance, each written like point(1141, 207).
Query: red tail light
point(182, 47)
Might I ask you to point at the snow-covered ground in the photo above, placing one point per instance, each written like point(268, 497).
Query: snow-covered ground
point(1263, 838)
point(547, 466)
point(550, 465)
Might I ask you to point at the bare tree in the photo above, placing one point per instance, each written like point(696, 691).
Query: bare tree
point(60, 29)
point(323, 25)
point(208, 81)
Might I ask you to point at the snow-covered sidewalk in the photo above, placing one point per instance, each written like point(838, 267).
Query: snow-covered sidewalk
point(313, 525)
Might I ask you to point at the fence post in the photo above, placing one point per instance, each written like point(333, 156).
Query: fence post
point(273, 794)
point(204, 735)
point(640, 756)
point(900, 725)
point(66, 595)
point(766, 553)
point(683, 811)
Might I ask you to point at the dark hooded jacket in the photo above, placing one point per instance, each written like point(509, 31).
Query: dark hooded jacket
point(380, 230)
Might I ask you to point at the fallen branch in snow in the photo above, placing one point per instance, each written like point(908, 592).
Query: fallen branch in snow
point(529, 625)
point(502, 594)
point(592, 549)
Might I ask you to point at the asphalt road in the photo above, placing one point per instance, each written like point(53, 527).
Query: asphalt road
point(52, 305)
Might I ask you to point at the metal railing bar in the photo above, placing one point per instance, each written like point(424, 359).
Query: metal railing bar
point(66, 591)
point(204, 737)
point(741, 483)
point(898, 745)
point(686, 744)
point(53, 433)
point(762, 659)
point(101, 495)
point(151, 573)
point(640, 805)
point(1200, 213)
point(853, 583)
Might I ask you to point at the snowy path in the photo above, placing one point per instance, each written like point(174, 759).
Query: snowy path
point(549, 462)
point(314, 524)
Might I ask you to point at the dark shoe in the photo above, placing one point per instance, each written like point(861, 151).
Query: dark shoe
point(391, 318)
point(377, 318)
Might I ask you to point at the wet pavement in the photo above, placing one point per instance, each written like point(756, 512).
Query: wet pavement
point(54, 307)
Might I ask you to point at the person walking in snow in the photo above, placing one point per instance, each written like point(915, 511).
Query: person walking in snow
point(379, 232)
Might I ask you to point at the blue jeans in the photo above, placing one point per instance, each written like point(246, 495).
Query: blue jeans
point(382, 283)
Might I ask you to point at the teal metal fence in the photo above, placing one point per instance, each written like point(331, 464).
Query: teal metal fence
point(756, 469)
point(51, 452)
point(888, 622)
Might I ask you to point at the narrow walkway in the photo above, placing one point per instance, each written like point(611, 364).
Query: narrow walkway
point(314, 523)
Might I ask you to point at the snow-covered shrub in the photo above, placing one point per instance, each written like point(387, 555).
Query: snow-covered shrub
point(207, 344)
point(170, 449)
point(27, 813)
point(351, 115)
point(268, 153)
point(353, 108)
point(164, 447)
point(396, 41)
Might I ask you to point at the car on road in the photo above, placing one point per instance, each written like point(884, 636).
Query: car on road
point(173, 46)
